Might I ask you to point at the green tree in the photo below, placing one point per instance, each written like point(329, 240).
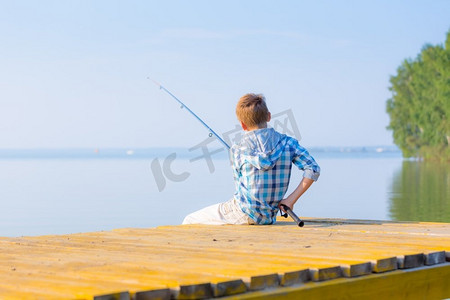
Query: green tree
point(420, 104)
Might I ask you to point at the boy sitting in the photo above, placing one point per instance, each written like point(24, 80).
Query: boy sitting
point(261, 164)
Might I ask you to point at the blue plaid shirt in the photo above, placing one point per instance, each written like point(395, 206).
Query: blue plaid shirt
point(262, 163)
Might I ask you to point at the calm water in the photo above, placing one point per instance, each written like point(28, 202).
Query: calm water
point(41, 194)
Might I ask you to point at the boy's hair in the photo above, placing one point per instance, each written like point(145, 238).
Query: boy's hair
point(251, 109)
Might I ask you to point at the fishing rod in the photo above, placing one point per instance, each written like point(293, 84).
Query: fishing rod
point(211, 132)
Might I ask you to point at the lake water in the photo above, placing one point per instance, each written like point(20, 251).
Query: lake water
point(51, 192)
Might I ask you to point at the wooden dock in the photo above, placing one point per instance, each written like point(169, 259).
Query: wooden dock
point(326, 259)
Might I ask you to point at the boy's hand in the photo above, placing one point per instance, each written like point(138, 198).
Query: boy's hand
point(288, 202)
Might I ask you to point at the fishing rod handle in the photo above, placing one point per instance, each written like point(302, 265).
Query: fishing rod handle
point(294, 217)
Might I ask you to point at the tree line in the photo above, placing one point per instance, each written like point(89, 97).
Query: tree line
point(420, 104)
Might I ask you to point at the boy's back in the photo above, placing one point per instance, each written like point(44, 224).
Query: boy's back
point(262, 163)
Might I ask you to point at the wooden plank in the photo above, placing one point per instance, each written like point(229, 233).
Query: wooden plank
point(295, 277)
point(384, 265)
point(325, 273)
point(356, 269)
point(261, 282)
point(434, 258)
point(228, 288)
point(161, 294)
point(410, 261)
point(195, 291)
point(114, 296)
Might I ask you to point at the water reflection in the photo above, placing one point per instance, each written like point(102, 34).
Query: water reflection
point(421, 192)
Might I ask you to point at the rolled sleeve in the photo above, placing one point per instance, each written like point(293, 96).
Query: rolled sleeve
point(304, 161)
point(311, 174)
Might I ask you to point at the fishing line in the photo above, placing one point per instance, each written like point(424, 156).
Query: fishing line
point(211, 132)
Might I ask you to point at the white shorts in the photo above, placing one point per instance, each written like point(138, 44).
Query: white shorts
point(219, 214)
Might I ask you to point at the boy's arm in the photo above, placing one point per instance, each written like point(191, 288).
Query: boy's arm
point(301, 188)
point(304, 161)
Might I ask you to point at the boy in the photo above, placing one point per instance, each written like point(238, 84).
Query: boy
point(261, 164)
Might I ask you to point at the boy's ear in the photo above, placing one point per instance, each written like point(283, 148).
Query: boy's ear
point(243, 126)
point(269, 117)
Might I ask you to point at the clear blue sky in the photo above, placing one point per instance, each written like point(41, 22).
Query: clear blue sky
point(73, 73)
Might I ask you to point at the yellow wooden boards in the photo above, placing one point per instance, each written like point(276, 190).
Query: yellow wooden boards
point(197, 261)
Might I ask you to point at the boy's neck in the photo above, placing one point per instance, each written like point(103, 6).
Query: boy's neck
point(256, 127)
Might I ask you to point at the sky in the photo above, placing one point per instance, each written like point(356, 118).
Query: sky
point(75, 73)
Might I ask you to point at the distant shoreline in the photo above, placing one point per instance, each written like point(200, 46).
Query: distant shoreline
point(150, 153)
